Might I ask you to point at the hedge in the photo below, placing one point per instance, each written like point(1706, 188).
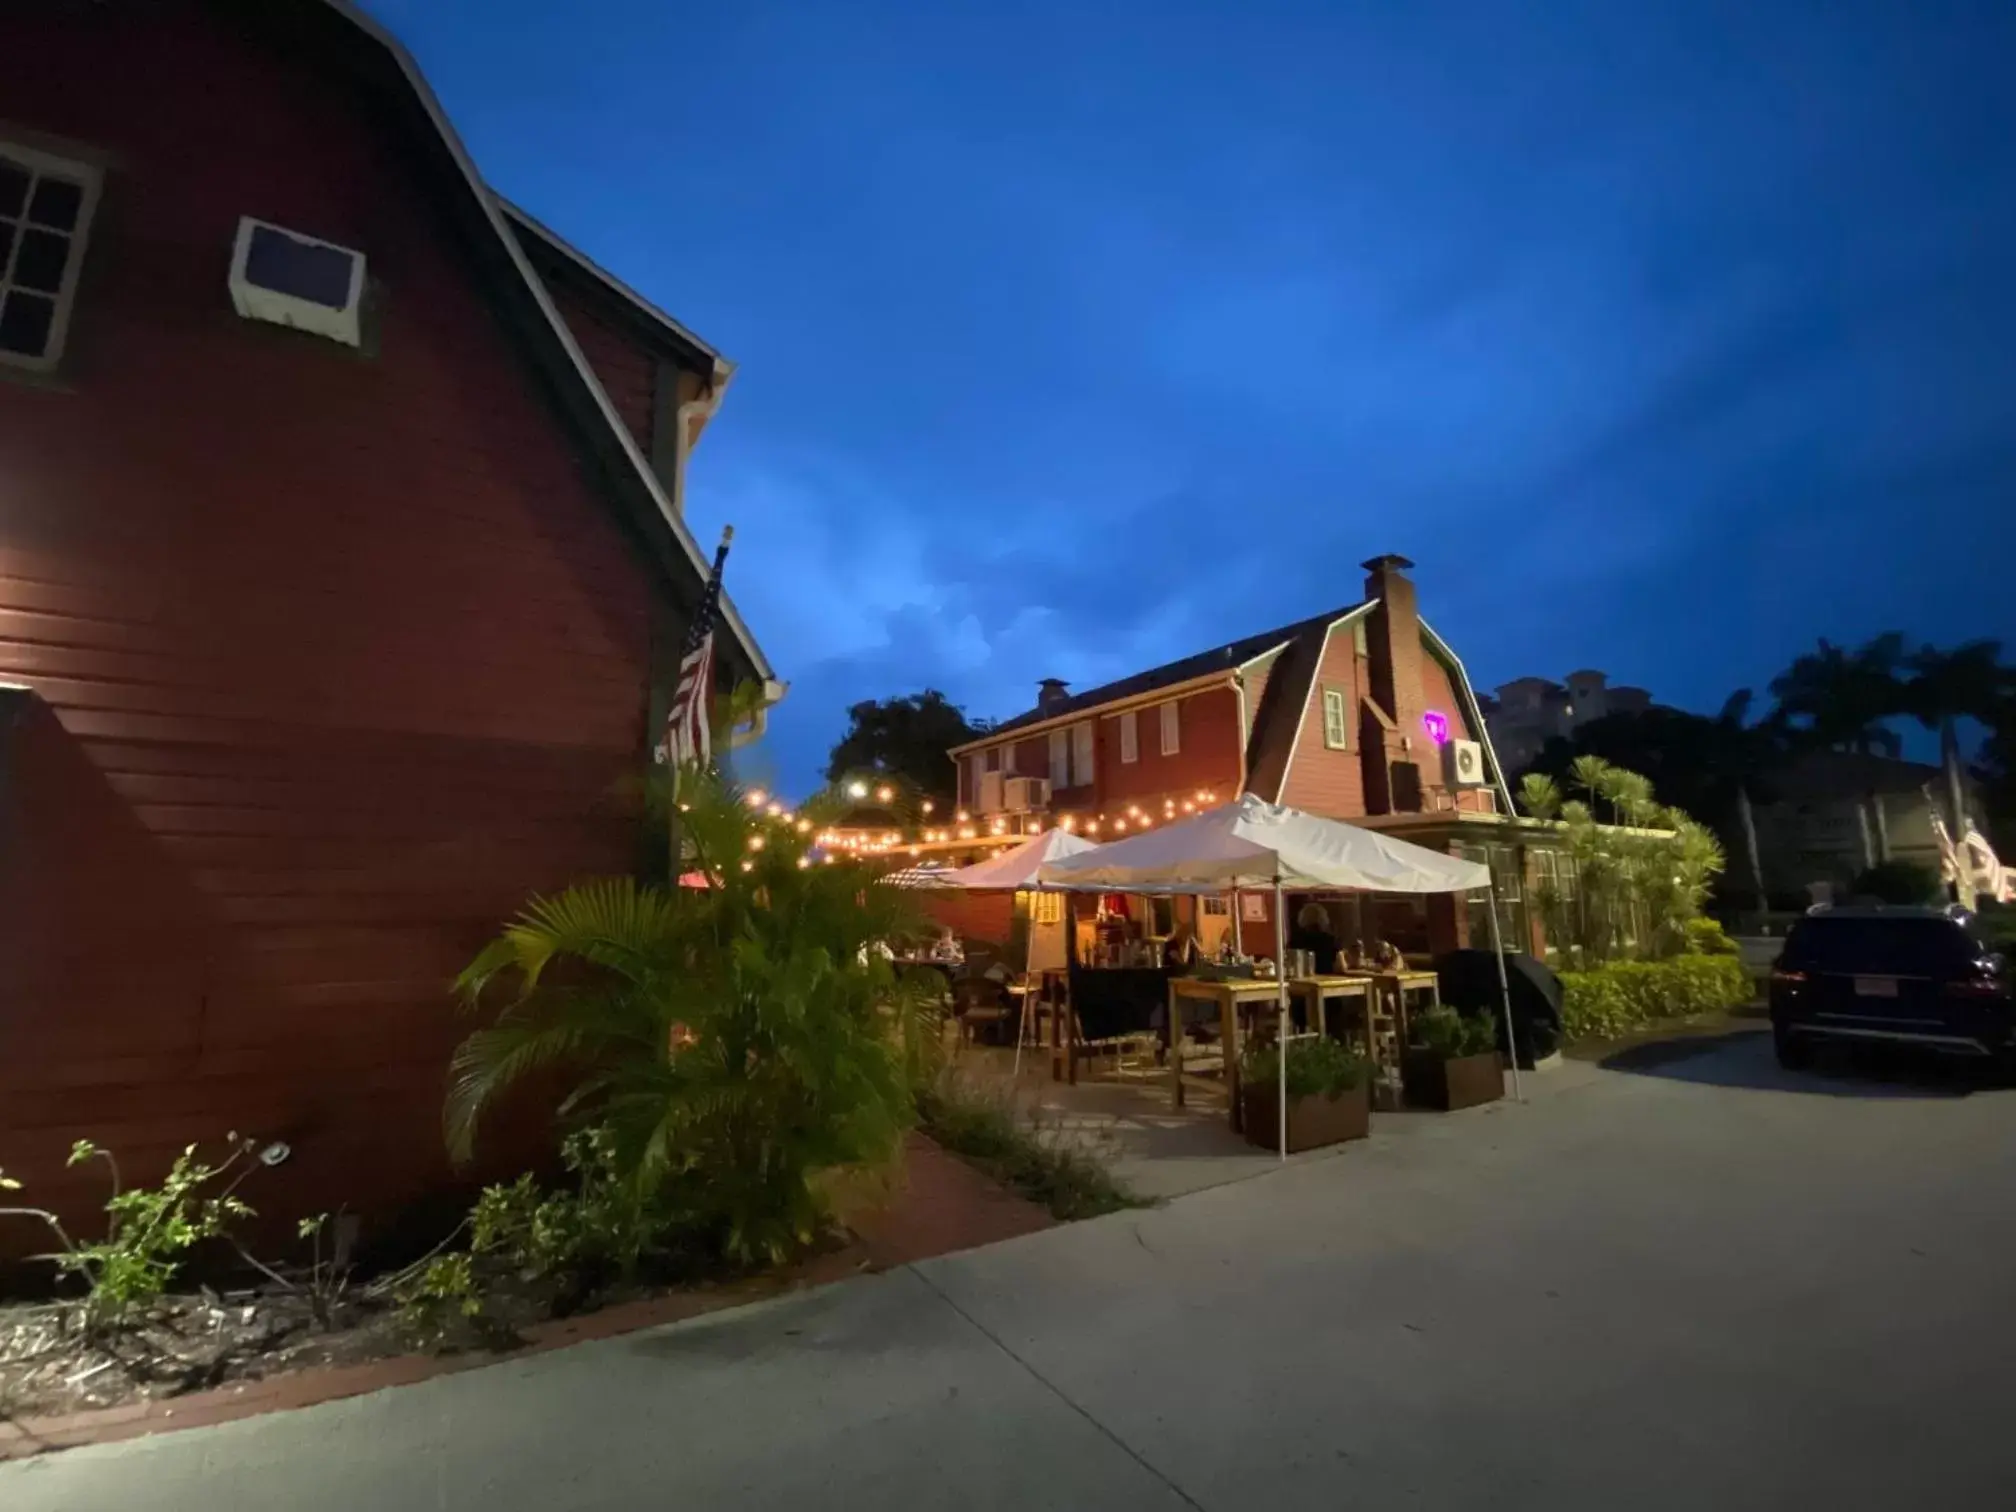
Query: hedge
point(1627, 995)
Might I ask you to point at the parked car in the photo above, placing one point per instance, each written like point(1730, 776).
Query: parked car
point(1911, 975)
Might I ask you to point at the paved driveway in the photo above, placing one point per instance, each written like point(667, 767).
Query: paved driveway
point(1696, 1284)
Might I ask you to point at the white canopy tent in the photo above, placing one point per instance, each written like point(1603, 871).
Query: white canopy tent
point(1014, 870)
point(1251, 843)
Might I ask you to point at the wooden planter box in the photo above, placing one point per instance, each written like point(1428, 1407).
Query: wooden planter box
point(1312, 1121)
point(1432, 1082)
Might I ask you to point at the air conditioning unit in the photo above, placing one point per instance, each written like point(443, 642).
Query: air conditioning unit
point(294, 280)
point(1463, 763)
point(1026, 795)
point(990, 793)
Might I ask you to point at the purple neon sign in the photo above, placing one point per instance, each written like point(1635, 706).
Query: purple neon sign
point(1437, 726)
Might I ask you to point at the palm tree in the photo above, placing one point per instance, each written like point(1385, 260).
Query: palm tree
point(1969, 682)
point(1839, 700)
point(736, 1040)
point(1740, 755)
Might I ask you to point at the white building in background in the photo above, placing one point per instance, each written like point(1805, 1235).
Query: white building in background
point(1529, 711)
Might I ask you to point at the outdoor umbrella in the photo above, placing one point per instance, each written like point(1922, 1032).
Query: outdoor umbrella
point(1016, 870)
point(1253, 843)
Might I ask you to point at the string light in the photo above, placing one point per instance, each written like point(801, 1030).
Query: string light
point(754, 798)
point(805, 861)
point(830, 858)
point(884, 793)
point(927, 805)
point(1189, 807)
point(1000, 825)
point(966, 832)
point(755, 842)
point(1120, 824)
point(804, 826)
point(857, 790)
point(748, 866)
point(775, 811)
point(961, 816)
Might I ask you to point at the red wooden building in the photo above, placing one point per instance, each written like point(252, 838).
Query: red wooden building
point(342, 574)
point(1363, 713)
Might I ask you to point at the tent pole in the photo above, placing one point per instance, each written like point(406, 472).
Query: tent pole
point(1505, 995)
point(1028, 968)
point(1281, 1033)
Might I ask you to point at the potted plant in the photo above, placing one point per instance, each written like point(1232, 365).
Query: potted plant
point(1328, 1094)
point(1452, 1061)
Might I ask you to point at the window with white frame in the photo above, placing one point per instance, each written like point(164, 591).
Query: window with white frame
point(46, 204)
point(1130, 737)
point(1008, 759)
point(1060, 758)
point(1172, 741)
point(1336, 723)
point(1081, 753)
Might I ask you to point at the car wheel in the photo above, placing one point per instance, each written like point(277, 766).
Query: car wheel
point(1795, 1051)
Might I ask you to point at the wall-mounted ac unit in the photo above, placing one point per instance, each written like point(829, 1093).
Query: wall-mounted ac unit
point(1026, 795)
point(294, 280)
point(1463, 763)
point(990, 793)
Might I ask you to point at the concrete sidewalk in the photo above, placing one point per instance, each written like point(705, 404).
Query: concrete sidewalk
point(1707, 1284)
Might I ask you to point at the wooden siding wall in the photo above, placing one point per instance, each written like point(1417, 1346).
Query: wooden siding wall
point(1319, 779)
point(627, 369)
point(338, 656)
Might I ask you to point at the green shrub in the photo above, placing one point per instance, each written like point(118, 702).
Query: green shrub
point(1318, 1066)
point(148, 1230)
point(1628, 995)
point(1707, 937)
point(1052, 1172)
point(1897, 882)
point(1447, 1035)
point(571, 1237)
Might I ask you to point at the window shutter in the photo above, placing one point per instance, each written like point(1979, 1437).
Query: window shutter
point(1081, 754)
point(1130, 737)
point(1060, 758)
point(1008, 759)
point(1171, 736)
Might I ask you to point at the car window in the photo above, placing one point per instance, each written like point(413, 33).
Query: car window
point(1892, 947)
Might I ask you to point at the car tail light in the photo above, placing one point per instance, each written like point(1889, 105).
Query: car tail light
point(1788, 978)
point(1984, 981)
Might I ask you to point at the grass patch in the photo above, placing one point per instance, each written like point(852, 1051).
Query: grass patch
point(1043, 1165)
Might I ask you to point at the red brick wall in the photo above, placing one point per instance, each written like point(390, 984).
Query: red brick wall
point(338, 655)
point(1320, 780)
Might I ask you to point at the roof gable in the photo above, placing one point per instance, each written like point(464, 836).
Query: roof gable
point(519, 288)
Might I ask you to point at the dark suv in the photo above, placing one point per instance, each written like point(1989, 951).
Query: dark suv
point(1915, 975)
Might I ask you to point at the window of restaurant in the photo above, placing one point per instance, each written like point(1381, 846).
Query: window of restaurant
point(1336, 728)
point(1506, 876)
point(1130, 737)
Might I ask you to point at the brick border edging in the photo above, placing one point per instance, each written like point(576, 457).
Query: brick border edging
point(1000, 1214)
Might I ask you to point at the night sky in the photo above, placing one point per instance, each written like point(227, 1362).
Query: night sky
point(1664, 336)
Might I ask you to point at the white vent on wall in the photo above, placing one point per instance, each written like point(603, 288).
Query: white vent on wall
point(1026, 795)
point(289, 279)
point(1463, 763)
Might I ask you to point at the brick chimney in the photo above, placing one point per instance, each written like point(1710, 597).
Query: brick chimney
point(1051, 692)
point(1393, 642)
point(1393, 652)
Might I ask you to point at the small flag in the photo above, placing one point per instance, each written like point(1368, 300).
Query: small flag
point(687, 733)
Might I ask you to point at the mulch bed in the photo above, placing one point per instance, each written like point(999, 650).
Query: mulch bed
point(209, 1357)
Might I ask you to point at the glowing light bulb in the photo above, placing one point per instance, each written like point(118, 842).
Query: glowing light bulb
point(754, 798)
point(755, 842)
point(805, 861)
point(748, 866)
point(1120, 824)
point(857, 790)
point(804, 826)
point(884, 793)
point(927, 805)
point(1189, 807)
point(961, 816)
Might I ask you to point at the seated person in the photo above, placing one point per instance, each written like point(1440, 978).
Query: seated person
point(1312, 933)
point(1179, 951)
point(1386, 957)
point(947, 947)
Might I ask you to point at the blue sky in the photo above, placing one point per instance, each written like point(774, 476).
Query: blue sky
point(1664, 337)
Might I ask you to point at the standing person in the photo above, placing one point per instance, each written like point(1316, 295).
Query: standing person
point(1313, 933)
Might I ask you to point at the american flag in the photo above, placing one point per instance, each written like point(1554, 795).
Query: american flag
point(687, 737)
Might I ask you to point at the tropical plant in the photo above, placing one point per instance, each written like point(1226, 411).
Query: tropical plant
point(1318, 1066)
point(1624, 996)
point(1897, 882)
point(1448, 1035)
point(1841, 699)
point(148, 1230)
point(1636, 883)
point(570, 1235)
point(1708, 937)
point(735, 1040)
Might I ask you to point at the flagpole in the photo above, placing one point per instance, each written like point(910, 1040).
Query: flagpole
point(701, 627)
